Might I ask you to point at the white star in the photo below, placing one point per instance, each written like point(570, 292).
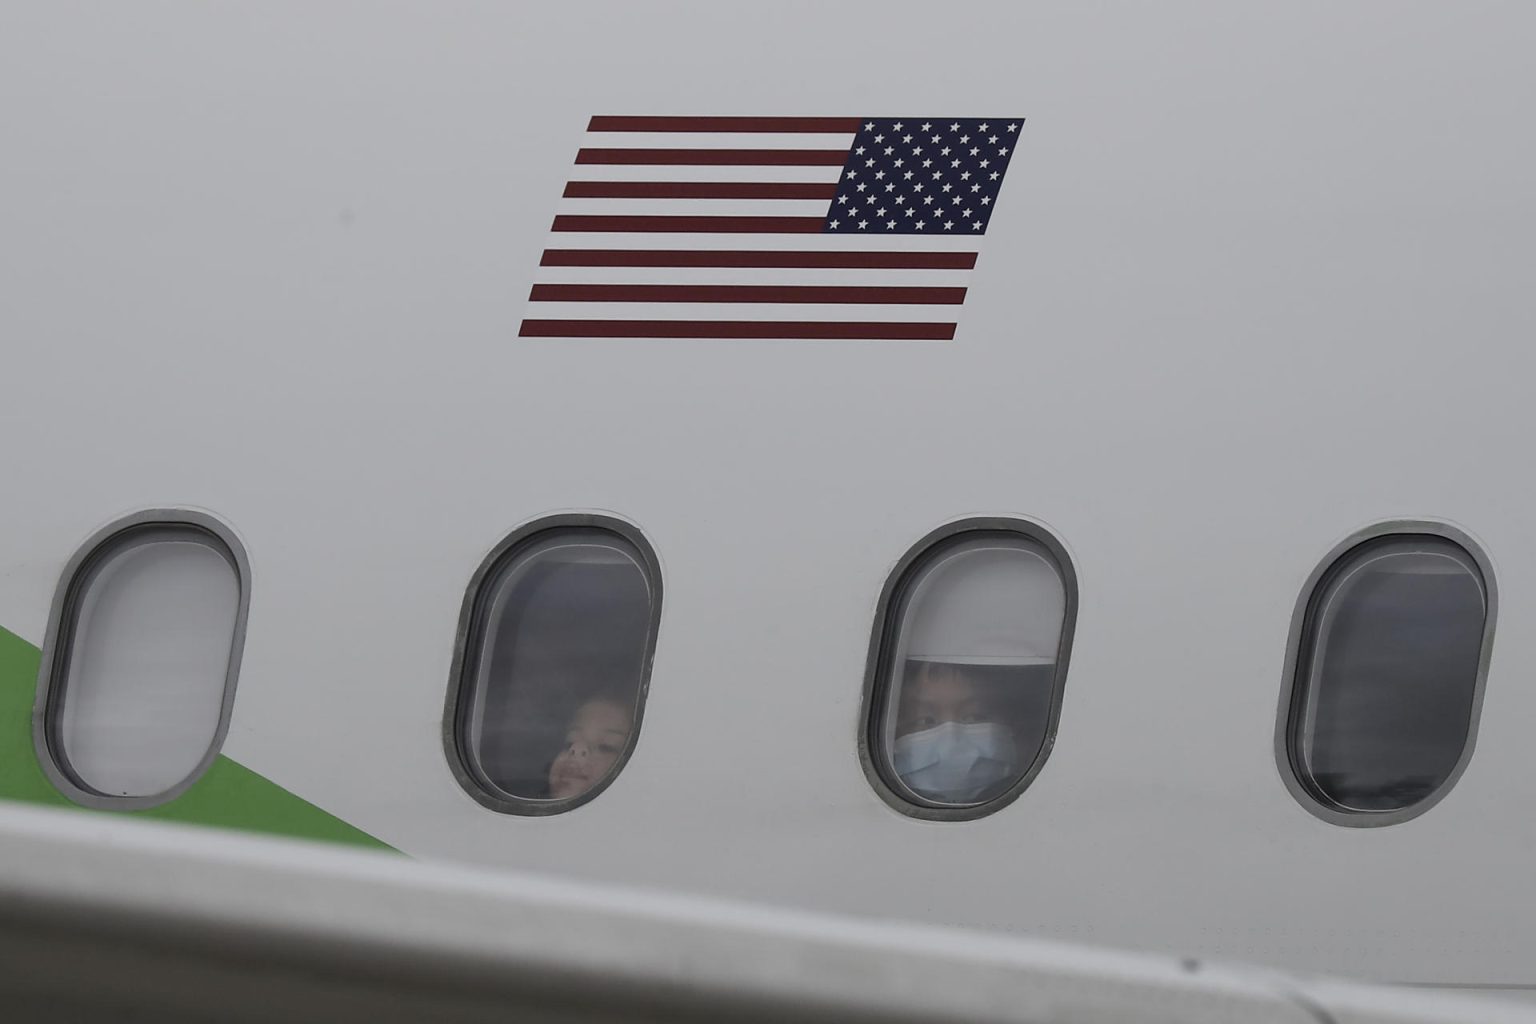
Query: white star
point(917, 150)
point(1013, 127)
point(977, 226)
point(974, 151)
point(946, 187)
point(898, 162)
point(861, 186)
point(842, 200)
point(965, 212)
point(833, 225)
point(983, 126)
point(935, 138)
point(897, 126)
point(927, 163)
point(910, 211)
point(863, 224)
point(944, 151)
point(917, 187)
point(853, 174)
point(964, 139)
point(889, 150)
point(956, 200)
point(859, 151)
point(879, 138)
point(919, 225)
point(985, 200)
point(975, 188)
point(870, 162)
point(955, 127)
point(879, 175)
point(891, 226)
point(948, 224)
point(906, 138)
point(937, 175)
point(992, 141)
point(986, 163)
point(880, 212)
point(870, 126)
point(1003, 151)
point(926, 126)
point(907, 176)
point(964, 175)
point(954, 163)
point(900, 200)
point(993, 176)
point(927, 200)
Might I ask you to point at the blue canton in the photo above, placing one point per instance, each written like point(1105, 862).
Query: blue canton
point(923, 176)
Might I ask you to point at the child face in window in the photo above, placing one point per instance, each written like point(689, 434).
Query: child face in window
point(594, 740)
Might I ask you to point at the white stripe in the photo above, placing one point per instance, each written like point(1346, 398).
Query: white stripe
point(668, 172)
point(737, 311)
point(718, 140)
point(818, 242)
point(695, 207)
point(753, 275)
point(935, 214)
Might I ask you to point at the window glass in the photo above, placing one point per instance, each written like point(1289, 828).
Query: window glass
point(971, 682)
point(562, 640)
point(146, 677)
point(1388, 673)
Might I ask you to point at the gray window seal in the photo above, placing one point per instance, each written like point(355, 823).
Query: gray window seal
point(53, 671)
point(1298, 645)
point(882, 644)
point(469, 642)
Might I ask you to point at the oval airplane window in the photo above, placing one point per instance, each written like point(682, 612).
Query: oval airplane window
point(967, 669)
point(143, 650)
point(557, 638)
point(1387, 682)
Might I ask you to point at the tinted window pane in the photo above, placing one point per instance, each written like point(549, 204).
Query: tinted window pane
point(1394, 640)
point(154, 619)
point(564, 639)
point(972, 675)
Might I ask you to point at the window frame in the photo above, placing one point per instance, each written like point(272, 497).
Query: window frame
point(882, 646)
point(58, 643)
point(1301, 644)
point(468, 641)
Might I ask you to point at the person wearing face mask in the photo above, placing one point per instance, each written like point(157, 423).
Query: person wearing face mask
point(950, 745)
point(974, 684)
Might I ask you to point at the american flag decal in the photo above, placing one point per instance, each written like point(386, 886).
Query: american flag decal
point(770, 227)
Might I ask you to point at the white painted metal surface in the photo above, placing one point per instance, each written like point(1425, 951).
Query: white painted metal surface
point(197, 923)
point(1260, 277)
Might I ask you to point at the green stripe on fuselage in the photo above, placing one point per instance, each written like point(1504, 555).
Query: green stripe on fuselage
point(228, 795)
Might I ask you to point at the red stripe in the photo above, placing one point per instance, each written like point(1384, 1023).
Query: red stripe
point(697, 190)
point(714, 157)
point(744, 293)
point(723, 124)
point(753, 258)
point(745, 225)
point(734, 329)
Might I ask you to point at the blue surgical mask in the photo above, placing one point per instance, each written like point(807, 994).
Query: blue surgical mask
point(955, 762)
